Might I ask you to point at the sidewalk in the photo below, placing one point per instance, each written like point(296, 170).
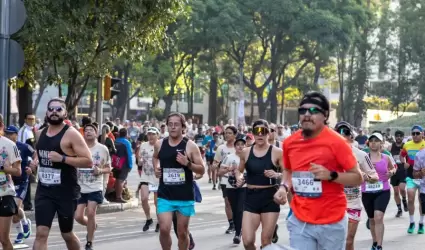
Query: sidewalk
point(102, 209)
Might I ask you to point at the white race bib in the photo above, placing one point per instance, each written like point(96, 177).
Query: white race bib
point(153, 188)
point(374, 187)
point(417, 182)
point(305, 185)
point(49, 176)
point(133, 134)
point(3, 178)
point(174, 176)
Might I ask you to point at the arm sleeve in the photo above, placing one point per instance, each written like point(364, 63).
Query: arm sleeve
point(13, 153)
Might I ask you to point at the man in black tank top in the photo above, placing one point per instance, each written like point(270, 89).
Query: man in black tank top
point(262, 163)
point(60, 150)
point(398, 181)
point(175, 160)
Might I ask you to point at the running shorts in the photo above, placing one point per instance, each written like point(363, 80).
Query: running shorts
point(223, 190)
point(21, 190)
point(399, 177)
point(375, 202)
point(121, 174)
point(8, 206)
point(93, 196)
point(354, 215)
point(186, 208)
point(410, 183)
point(46, 209)
point(261, 200)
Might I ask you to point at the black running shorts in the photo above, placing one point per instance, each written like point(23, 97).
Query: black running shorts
point(46, 209)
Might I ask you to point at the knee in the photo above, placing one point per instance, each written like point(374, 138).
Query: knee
point(144, 199)
point(4, 239)
point(164, 228)
point(16, 219)
point(248, 242)
point(79, 218)
point(91, 213)
point(182, 234)
point(42, 234)
point(67, 237)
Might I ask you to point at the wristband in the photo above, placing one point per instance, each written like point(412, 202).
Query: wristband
point(63, 158)
point(285, 186)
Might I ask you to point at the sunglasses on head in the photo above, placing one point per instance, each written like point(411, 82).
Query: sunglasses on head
point(312, 111)
point(260, 131)
point(416, 133)
point(57, 109)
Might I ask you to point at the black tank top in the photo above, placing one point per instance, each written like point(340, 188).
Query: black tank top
point(56, 179)
point(255, 167)
point(176, 180)
point(395, 150)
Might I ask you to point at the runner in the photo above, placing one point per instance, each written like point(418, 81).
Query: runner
point(60, 149)
point(91, 183)
point(22, 224)
point(148, 181)
point(407, 158)
point(398, 181)
point(178, 158)
point(236, 196)
point(353, 194)
point(419, 173)
point(10, 165)
point(223, 151)
point(261, 163)
point(211, 148)
point(376, 195)
point(318, 163)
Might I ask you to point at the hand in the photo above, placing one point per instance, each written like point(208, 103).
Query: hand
point(33, 165)
point(28, 171)
point(406, 165)
point(271, 174)
point(197, 177)
point(7, 167)
point(320, 172)
point(182, 159)
point(96, 170)
point(423, 171)
point(281, 196)
point(240, 182)
point(55, 157)
point(390, 173)
point(158, 172)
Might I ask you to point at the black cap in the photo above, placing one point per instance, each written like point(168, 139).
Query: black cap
point(241, 138)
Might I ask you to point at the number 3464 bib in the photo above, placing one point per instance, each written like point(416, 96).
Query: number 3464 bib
point(305, 185)
point(174, 176)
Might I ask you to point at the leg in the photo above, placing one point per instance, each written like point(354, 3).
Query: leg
point(183, 231)
point(80, 214)
point(352, 230)
point(250, 224)
point(8, 208)
point(378, 226)
point(91, 219)
point(45, 210)
point(268, 225)
point(66, 211)
point(144, 196)
point(300, 234)
point(411, 196)
point(332, 236)
point(165, 220)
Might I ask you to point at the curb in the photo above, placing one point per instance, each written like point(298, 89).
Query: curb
point(102, 209)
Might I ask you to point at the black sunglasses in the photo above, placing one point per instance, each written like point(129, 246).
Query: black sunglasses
point(344, 131)
point(57, 109)
point(312, 111)
point(416, 133)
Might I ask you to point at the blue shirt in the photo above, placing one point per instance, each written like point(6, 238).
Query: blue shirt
point(210, 151)
point(207, 139)
point(129, 150)
point(26, 152)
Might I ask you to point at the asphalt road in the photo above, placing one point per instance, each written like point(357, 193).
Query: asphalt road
point(123, 230)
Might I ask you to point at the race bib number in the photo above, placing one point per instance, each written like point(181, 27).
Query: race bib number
point(374, 187)
point(49, 176)
point(351, 192)
point(417, 182)
point(174, 176)
point(305, 185)
point(153, 187)
point(3, 179)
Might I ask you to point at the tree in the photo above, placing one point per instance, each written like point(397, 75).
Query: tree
point(85, 36)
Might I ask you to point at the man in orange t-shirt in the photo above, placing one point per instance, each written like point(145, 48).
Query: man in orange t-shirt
point(318, 164)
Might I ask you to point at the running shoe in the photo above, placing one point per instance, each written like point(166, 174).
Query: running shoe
point(147, 225)
point(157, 228)
point(192, 242)
point(399, 213)
point(89, 246)
point(421, 228)
point(231, 229)
point(411, 228)
point(368, 224)
point(27, 229)
point(275, 236)
point(405, 207)
point(237, 240)
point(20, 238)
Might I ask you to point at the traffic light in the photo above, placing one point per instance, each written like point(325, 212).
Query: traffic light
point(108, 87)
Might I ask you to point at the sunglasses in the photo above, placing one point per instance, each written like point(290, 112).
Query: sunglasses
point(57, 109)
point(312, 111)
point(272, 130)
point(416, 133)
point(345, 131)
point(260, 131)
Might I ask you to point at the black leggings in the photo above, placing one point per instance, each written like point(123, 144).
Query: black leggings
point(422, 201)
point(175, 228)
point(236, 198)
point(375, 202)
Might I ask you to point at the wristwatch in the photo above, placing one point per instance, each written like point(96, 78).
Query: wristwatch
point(285, 186)
point(63, 158)
point(333, 176)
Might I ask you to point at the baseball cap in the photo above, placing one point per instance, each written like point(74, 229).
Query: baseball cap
point(376, 135)
point(418, 128)
point(11, 129)
point(240, 138)
point(249, 136)
point(344, 125)
point(153, 130)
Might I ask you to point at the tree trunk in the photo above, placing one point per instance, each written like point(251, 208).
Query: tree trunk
point(317, 68)
point(273, 102)
point(168, 100)
point(24, 102)
point(91, 104)
point(251, 115)
point(262, 106)
point(41, 88)
point(212, 97)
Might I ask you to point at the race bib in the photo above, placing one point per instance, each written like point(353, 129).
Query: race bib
point(174, 176)
point(3, 179)
point(351, 192)
point(374, 187)
point(153, 187)
point(305, 185)
point(417, 182)
point(86, 175)
point(49, 176)
point(133, 134)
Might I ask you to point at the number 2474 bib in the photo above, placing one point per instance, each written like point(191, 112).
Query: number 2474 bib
point(305, 185)
point(174, 176)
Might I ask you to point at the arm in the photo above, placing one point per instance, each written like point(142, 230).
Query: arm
point(345, 158)
point(196, 164)
point(368, 170)
point(83, 157)
point(107, 168)
point(418, 166)
point(155, 159)
point(241, 169)
point(286, 181)
point(13, 164)
point(224, 169)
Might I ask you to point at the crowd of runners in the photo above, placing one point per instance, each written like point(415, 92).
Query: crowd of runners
point(327, 175)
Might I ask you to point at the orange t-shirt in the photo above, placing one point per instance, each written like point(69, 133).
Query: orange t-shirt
point(330, 150)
